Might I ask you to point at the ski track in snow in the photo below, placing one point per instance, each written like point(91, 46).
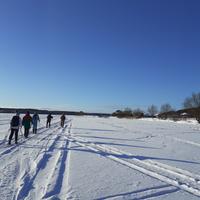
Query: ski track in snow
point(50, 184)
point(187, 142)
point(45, 174)
point(46, 167)
point(9, 154)
point(177, 177)
point(54, 187)
point(8, 183)
point(13, 148)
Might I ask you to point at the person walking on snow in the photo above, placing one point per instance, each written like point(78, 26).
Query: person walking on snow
point(26, 122)
point(15, 124)
point(35, 120)
point(49, 118)
point(62, 118)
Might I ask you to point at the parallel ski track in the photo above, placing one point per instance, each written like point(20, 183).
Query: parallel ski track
point(174, 176)
point(18, 148)
point(28, 178)
point(54, 185)
point(15, 148)
point(187, 142)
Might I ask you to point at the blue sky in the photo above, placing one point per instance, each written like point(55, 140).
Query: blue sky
point(98, 55)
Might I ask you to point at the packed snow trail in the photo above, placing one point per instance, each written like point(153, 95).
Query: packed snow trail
point(12, 155)
point(39, 173)
point(173, 176)
point(10, 149)
point(40, 164)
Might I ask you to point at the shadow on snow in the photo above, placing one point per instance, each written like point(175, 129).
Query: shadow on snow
point(133, 195)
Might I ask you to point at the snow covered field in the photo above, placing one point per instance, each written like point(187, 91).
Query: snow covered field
point(102, 158)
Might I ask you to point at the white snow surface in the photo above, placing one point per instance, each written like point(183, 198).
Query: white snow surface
point(94, 158)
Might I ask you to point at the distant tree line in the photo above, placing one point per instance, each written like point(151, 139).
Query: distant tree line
point(53, 112)
point(129, 113)
point(191, 108)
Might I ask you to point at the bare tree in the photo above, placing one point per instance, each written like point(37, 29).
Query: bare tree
point(196, 99)
point(166, 108)
point(193, 101)
point(128, 110)
point(187, 103)
point(138, 113)
point(152, 110)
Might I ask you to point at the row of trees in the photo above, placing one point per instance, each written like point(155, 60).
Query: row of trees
point(129, 113)
point(137, 113)
point(153, 110)
point(190, 102)
point(193, 101)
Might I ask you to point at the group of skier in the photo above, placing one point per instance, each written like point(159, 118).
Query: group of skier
point(28, 121)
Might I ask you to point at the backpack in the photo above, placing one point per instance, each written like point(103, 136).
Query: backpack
point(15, 121)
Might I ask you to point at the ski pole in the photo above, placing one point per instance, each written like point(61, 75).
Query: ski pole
point(7, 134)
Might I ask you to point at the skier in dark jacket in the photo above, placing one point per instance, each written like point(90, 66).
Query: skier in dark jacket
point(26, 122)
point(62, 120)
point(49, 118)
point(15, 124)
point(35, 120)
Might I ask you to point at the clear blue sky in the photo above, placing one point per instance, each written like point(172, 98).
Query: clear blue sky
point(98, 55)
